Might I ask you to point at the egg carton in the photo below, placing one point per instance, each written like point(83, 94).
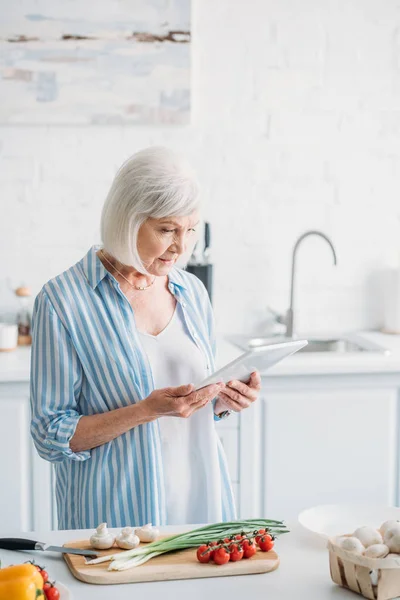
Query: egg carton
point(374, 578)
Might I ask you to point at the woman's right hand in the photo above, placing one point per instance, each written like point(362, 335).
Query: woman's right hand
point(180, 401)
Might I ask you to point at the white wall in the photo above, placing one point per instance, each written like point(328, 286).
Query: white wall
point(295, 126)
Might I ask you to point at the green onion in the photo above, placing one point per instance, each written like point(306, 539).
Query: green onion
point(190, 539)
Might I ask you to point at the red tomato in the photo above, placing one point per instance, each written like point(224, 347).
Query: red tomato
point(266, 543)
point(249, 549)
point(52, 593)
point(235, 552)
point(260, 533)
point(221, 556)
point(203, 554)
point(238, 537)
point(45, 575)
point(227, 540)
point(212, 552)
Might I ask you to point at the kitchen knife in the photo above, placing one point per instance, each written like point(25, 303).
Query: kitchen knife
point(24, 544)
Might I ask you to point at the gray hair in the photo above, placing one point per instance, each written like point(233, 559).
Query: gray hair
point(153, 183)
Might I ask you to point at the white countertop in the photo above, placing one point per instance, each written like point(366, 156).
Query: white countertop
point(15, 366)
point(303, 573)
point(331, 363)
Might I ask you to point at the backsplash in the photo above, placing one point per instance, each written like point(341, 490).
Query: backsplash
point(295, 126)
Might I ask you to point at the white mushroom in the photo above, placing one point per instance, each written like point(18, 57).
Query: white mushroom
point(388, 525)
point(147, 533)
point(377, 551)
point(368, 536)
point(102, 539)
point(394, 543)
point(389, 533)
point(374, 575)
point(352, 544)
point(339, 539)
point(127, 539)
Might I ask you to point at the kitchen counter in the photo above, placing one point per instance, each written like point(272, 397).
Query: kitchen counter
point(303, 573)
point(15, 366)
point(330, 363)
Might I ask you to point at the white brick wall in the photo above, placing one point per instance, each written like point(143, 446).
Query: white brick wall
point(296, 126)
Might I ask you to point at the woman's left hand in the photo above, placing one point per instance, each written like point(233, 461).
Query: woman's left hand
point(237, 395)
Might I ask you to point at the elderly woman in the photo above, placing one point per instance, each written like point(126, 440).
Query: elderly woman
point(119, 339)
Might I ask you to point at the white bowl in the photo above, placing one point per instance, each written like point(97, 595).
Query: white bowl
point(330, 520)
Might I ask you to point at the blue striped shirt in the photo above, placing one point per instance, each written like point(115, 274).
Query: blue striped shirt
point(87, 359)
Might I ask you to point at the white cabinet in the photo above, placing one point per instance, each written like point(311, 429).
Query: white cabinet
point(15, 511)
point(308, 443)
point(26, 495)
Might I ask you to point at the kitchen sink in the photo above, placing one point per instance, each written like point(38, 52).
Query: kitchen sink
point(345, 344)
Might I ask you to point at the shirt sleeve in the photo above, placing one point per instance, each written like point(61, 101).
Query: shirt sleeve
point(56, 378)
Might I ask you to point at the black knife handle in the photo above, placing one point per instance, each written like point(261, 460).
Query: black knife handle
point(206, 235)
point(17, 544)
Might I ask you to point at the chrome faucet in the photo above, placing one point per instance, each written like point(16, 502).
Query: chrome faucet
point(289, 317)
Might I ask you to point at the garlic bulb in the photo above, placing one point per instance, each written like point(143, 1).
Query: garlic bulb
point(390, 532)
point(102, 539)
point(377, 551)
point(368, 536)
point(352, 544)
point(388, 525)
point(127, 539)
point(394, 543)
point(147, 533)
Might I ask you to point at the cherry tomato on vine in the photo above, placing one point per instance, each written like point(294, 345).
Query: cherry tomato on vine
point(249, 549)
point(45, 575)
point(221, 556)
point(51, 592)
point(266, 543)
point(212, 552)
point(203, 554)
point(260, 533)
point(235, 552)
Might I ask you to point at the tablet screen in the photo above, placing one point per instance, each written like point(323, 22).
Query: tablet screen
point(259, 359)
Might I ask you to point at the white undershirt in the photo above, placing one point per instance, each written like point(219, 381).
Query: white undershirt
point(189, 446)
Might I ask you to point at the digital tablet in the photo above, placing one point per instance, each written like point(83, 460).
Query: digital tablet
point(258, 359)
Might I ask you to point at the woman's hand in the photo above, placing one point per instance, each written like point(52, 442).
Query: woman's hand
point(237, 395)
point(180, 401)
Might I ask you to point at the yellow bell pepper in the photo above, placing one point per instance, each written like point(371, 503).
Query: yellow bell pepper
point(21, 582)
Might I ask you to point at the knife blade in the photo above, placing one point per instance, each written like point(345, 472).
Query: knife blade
point(25, 544)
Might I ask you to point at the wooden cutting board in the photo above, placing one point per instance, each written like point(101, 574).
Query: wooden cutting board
point(175, 565)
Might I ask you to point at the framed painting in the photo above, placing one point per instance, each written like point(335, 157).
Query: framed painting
point(77, 62)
